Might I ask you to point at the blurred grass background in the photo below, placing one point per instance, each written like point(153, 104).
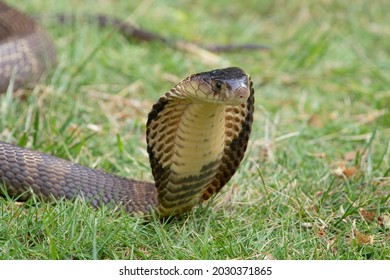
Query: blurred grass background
point(315, 183)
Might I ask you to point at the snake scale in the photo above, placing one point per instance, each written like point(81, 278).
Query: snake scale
point(197, 134)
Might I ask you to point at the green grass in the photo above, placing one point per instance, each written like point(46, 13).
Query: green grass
point(322, 93)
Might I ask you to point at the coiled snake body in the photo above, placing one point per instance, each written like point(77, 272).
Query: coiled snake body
point(197, 134)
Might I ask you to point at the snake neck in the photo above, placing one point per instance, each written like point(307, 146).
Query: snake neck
point(186, 156)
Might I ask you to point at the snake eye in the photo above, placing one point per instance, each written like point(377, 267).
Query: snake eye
point(217, 86)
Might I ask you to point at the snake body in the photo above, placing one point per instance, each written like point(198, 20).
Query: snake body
point(26, 51)
point(197, 134)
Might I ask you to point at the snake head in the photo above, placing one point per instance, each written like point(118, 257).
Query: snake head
point(229, 86)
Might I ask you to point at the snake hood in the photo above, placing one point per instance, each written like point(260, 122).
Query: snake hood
point(197, 134)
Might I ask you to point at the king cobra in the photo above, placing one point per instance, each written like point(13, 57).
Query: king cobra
point(197, 134)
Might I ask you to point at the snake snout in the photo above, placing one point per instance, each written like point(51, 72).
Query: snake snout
point(239, 91)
